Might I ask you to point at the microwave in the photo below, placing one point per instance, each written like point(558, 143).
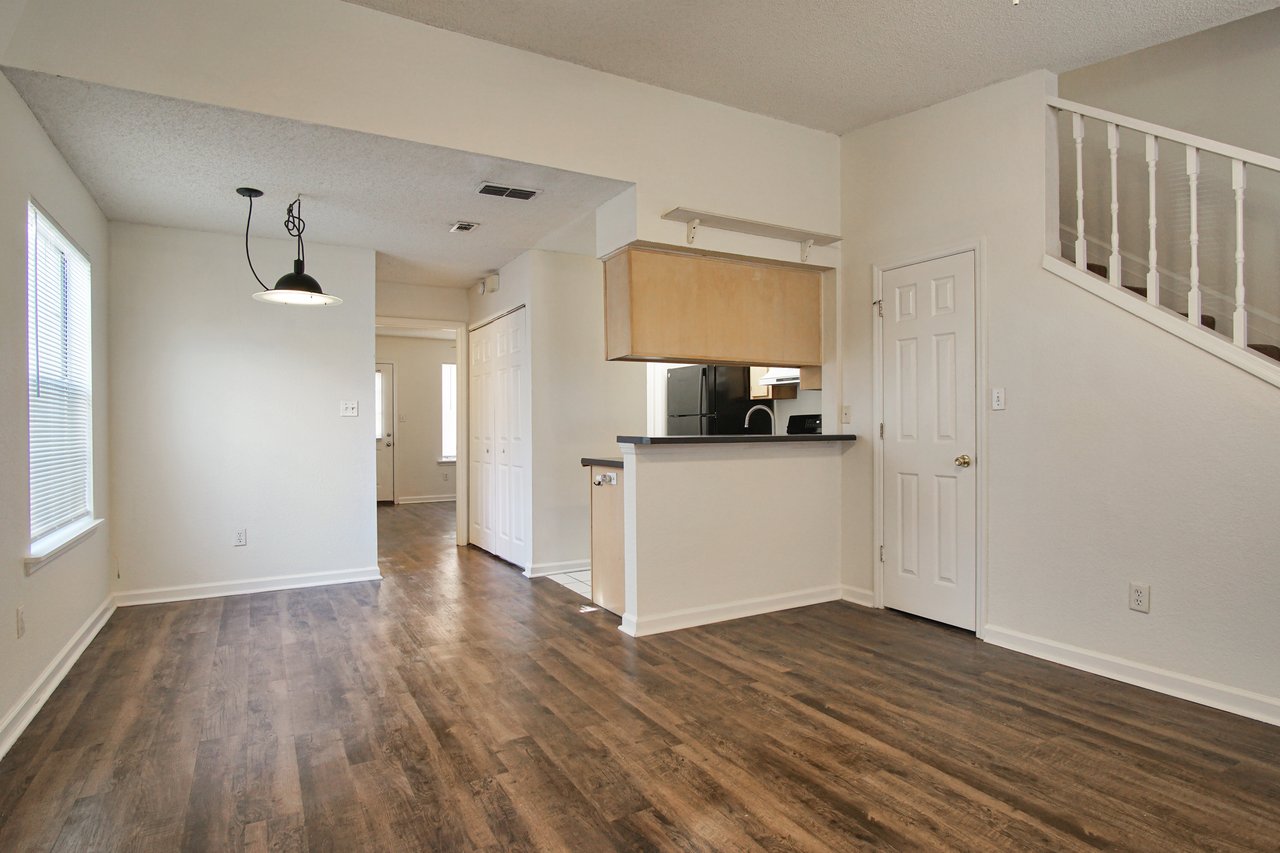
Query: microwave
point(804, 425)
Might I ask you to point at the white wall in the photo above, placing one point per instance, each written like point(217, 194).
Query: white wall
point(581, 402)
point(419, 473)
point(63, 595)
point(420, 301)
point(225, 415)
point(328, 62)
point(1124, 454)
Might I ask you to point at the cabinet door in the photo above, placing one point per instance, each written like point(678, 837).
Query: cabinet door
point(607, 568)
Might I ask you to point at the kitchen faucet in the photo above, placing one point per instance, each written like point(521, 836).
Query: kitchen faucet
point(747, 421)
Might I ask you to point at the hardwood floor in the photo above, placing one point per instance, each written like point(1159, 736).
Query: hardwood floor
point(455, 705)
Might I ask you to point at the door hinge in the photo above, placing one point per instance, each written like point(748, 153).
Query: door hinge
point(879, 303)
point(882, 430)
point(882, 553)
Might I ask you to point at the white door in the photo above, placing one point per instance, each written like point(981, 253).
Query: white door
point(929, 378)
point(383, 418)
point(500, 495)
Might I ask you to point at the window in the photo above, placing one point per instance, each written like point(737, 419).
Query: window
point(59, 381)
point(448, 412)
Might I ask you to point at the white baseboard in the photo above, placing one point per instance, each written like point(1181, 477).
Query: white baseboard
point(1226, 698)
point(695, 616)
point(425, 499)
point(21, 714)
point(218, 589)
point(858, 595)
point(541, 570)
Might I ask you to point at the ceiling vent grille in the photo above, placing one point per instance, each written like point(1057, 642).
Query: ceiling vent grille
point(464, 226)
point(506, 192)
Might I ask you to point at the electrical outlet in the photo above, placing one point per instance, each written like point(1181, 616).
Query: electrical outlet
point(997, 399)
point(1140, 597)
point(22, 621)
point(242, 537)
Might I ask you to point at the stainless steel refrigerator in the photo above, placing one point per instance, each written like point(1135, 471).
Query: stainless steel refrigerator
point(711, 399)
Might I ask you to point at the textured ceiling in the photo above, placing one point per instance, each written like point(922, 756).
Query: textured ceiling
point(162, 161)
point(830, 64)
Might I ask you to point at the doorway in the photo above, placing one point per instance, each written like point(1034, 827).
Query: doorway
point(928, 495)
point(384, 418)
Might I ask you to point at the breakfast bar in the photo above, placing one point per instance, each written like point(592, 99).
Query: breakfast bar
point(725, 526)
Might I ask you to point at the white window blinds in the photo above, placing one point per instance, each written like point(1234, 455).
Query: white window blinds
point(60, 386)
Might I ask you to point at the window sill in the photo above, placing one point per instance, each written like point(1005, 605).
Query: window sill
point(58, 543)
point(447, 460)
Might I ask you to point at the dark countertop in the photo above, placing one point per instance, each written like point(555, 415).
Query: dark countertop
point(588, 461)
point(728, 439)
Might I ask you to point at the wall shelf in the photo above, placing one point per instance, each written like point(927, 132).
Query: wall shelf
point(695, 219)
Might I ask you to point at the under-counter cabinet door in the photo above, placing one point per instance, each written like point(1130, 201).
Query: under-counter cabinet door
point(606, 538)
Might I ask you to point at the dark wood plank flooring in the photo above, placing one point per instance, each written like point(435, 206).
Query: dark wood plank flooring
point(456, 705)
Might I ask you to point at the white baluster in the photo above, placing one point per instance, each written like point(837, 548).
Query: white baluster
point(1193, 177)
point(1113, 263)
point(1240, 319)
point(1153, 277)
point(1082, 248)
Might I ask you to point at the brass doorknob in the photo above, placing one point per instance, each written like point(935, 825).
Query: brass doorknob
point(963, 461)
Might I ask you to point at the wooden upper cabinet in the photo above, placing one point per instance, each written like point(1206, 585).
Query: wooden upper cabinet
point(664, 305)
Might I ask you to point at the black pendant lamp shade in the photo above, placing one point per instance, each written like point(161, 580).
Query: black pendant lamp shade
point(295, 288)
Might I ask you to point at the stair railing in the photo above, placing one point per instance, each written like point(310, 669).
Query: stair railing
point(1241, 160)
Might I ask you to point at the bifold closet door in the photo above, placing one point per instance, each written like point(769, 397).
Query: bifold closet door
point(500, 491)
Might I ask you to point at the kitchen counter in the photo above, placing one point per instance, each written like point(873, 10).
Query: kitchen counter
point(721, 527)
point(603, 462)
point(728, 439)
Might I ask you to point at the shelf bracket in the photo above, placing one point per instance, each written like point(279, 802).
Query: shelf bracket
point(691, 230)
point(804, 251)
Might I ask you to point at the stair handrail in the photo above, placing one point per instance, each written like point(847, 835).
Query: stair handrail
point(1240, 158)
point(1200, 143)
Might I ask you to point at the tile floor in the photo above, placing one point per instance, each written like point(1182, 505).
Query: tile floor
point(579, 582)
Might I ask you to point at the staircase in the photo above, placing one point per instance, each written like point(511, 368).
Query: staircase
point(1193, 216)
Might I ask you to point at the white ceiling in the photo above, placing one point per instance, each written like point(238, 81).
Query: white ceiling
point(830, 64)
point(162, 161)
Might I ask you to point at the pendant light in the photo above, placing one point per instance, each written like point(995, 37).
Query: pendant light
point(295, 288)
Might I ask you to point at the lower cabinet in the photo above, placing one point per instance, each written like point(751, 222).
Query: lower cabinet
point(606, 538)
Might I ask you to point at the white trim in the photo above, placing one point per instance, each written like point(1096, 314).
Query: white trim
point(425, 499)
point(59, 542)
point(1209, 341)
point(978, 246)
point(858, 595)
point(26, 708)
point(1224, 697)
point(542, 570)
point(218, 589)
point(695, 616)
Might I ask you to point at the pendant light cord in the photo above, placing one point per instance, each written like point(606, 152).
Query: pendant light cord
point(246, 245)
point(294, 224)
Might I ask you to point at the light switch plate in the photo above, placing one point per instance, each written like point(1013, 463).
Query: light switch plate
point(997, 399)
point(349, 409)
point(846, 414)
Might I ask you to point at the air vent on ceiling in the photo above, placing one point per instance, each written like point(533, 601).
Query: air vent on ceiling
point(464, 226)
point(488, 188)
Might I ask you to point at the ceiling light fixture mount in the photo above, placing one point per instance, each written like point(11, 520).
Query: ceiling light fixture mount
point(295, 288)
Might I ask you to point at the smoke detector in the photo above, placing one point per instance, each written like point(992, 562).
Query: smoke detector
point(490, 188)
point(463, 226)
